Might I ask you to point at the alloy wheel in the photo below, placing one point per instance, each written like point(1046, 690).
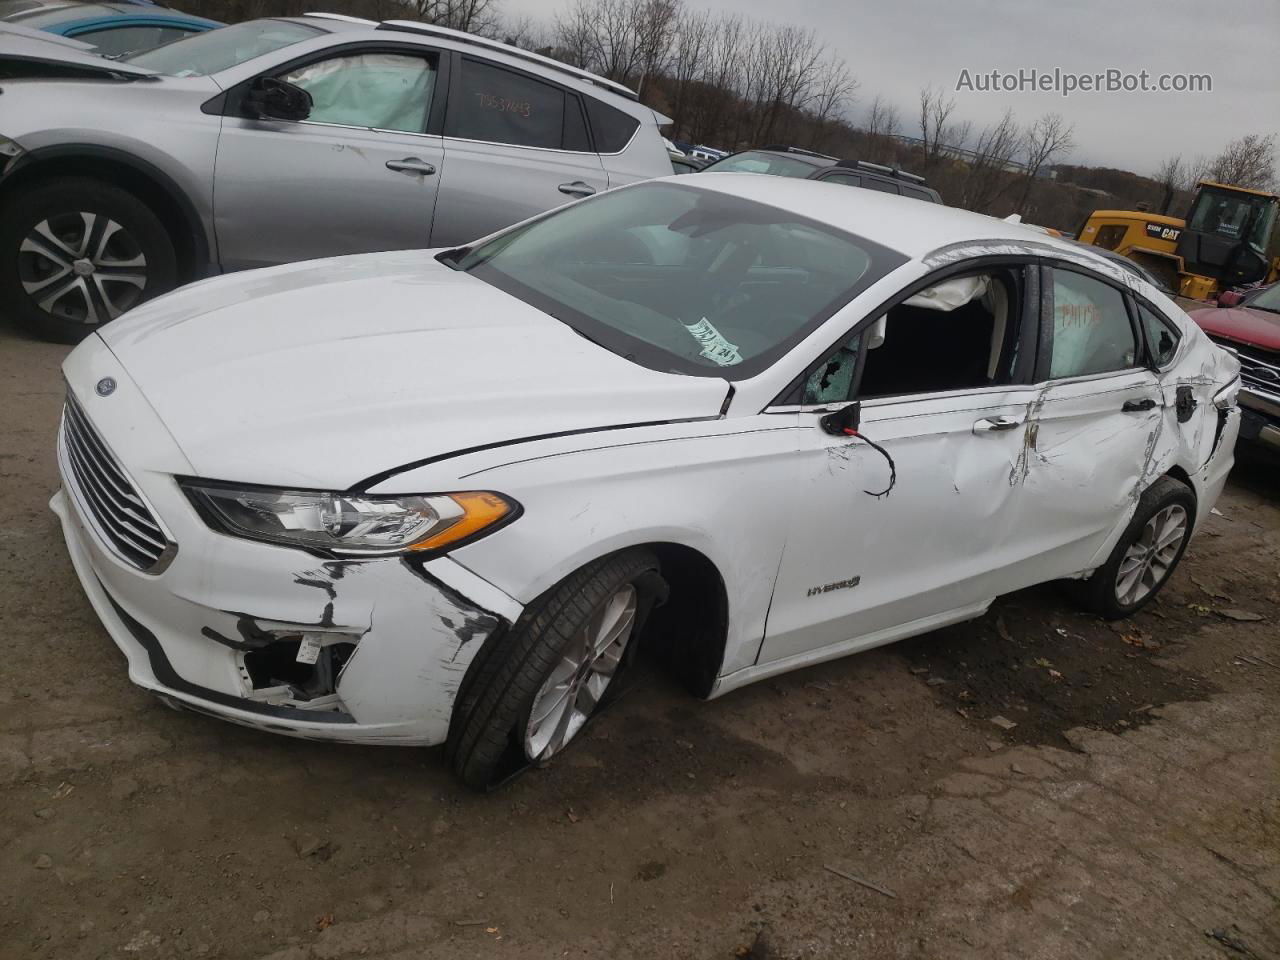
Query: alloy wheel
point(1150, 558)
point(581, 676)
point(83, 267)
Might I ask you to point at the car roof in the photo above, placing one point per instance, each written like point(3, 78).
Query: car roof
point(899, 223)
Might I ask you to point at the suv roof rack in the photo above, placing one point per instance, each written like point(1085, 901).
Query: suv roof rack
point(340, 16)
point(881, 169)
point(781, 148)
point(430, 29)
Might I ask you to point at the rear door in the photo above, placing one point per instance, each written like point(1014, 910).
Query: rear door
point(358, 176)
point(1095, 422)
point(517, 145)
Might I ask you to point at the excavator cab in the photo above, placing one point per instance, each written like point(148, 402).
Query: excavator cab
point(1229, 235)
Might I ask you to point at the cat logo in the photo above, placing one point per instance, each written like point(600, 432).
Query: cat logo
point(1158, 232)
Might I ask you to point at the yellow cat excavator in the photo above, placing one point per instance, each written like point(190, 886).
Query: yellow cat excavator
point(1228, 239)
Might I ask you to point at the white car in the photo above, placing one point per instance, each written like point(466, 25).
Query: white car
point(750, 423)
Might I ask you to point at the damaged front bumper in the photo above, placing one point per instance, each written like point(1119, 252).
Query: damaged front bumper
point(370, 650)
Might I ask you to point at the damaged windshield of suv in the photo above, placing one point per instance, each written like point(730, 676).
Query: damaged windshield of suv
point(684, 279)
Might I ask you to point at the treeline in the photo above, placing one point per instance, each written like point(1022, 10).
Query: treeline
point(732, 82)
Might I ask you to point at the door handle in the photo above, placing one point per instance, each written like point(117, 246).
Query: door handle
point(411, 165)
point(577, 189)
point(1138, 406)
point(996, 424)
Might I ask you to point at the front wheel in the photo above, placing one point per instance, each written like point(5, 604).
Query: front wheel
point(1147, 553)
point(75, 253)
point(530, 692)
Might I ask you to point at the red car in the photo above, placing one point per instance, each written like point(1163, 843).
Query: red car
point(1249, 323)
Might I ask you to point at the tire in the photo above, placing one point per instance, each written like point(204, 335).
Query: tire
point(1104, 593)
point(76, 252)
point(489, 734)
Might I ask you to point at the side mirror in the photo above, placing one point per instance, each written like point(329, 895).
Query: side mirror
point(270, 98)
point(1230, 298)
point(875, 336)
point(844, 421)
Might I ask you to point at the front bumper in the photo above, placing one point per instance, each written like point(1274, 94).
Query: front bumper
point(1261, 412)
point(217, 629)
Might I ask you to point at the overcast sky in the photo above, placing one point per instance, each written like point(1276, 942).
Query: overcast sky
point(894, 48)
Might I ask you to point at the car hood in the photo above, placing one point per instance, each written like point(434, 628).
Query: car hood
point(1257, 328)
point(324, 373)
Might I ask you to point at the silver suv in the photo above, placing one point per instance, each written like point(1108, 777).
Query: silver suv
point(286, 139)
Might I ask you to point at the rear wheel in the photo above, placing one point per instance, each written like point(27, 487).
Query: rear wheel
point(76, 253)
point(530, 692)
point(1147, 553)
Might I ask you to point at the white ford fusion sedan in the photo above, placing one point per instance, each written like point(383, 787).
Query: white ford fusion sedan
point(748, 423)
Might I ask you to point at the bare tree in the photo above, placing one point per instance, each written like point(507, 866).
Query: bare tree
point(654, 23)
point(1169, 175)
point(1249, 161)
point(470, 16)
point(937, 131)
point(1195, 171)
point(988, 176)
point(883, 119)
point(1048, 138)
point(693, 41)
point(834, 89)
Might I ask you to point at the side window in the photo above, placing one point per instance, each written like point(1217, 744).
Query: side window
point(119, 41)
point(959, 334)
point(917, 193)
point(846, 179)
point(502, 106)
point(575, 126)
point(1091, 329)
point(1162, 338)
point(612, 128)
point(832, 381)
point(386, 91)
point(884, 186)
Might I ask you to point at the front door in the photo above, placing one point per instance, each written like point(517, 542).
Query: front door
point(875, 550)
point(358, 176)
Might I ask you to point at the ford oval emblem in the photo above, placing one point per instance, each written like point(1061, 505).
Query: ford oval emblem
point(106, 387)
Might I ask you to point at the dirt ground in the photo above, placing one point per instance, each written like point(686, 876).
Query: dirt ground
point(1033, 784)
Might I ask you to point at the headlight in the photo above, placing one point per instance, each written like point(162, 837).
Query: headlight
point(349, 524)
point(1225, 399)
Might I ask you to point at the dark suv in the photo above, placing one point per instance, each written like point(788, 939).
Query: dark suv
point(794, 162)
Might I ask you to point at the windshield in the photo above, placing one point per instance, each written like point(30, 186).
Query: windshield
point(758, 161)
point(1233, 216)
point(220, 49)
point(682, 279)
point(1267, 299)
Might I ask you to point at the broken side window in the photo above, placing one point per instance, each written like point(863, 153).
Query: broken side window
point(958, 334)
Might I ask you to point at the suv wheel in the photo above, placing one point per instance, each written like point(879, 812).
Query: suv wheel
point(76, 253)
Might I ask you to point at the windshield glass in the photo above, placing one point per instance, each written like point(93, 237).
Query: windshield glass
point(1268, 299)
point(1233, 216)
point(220, 49)
point(758, 161)
point(680, 278)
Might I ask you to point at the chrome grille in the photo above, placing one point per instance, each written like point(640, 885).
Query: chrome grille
point(106, 494)
point(1259, 369)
